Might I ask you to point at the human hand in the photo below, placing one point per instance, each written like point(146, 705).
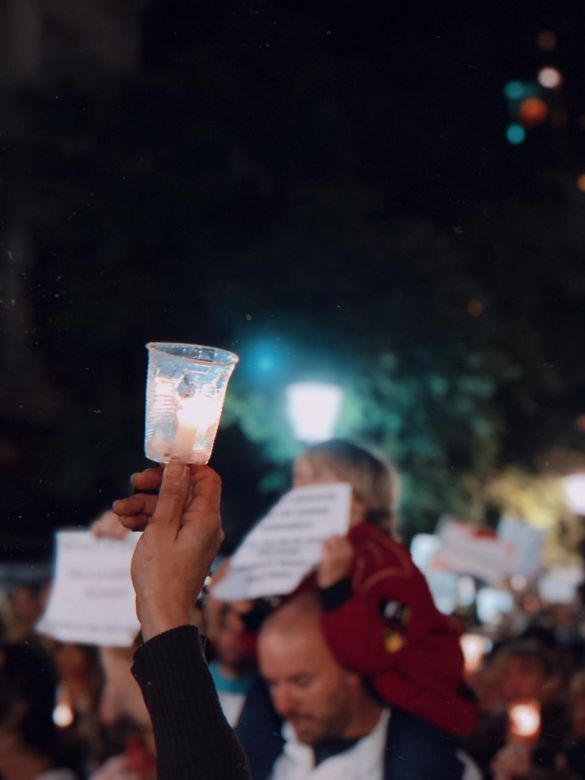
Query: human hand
point(135, 511)
point(337, 557)
point(180, 541)
point(511, 762)
point(108, 526)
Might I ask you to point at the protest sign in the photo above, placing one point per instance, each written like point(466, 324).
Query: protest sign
point(92, 599)
point(559, 584)
point(466, 549)
point(528, 545)
point(285, 545)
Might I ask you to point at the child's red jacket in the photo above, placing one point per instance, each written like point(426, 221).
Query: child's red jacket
point(382, 623)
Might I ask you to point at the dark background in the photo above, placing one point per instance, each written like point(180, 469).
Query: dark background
point(328, 192)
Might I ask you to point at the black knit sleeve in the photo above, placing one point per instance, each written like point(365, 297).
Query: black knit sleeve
point(193, 738)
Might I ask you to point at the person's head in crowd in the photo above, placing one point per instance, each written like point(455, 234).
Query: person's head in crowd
point(27, 602)
point(526, 672)
point(308, 688)
point(122, 711)
point(577, 702)
point(229, 645)
point(81, 682)
point(374, 482)
point(29, 738)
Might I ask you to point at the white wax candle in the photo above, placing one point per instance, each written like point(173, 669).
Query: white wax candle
point(197, 418)
point(524, 719)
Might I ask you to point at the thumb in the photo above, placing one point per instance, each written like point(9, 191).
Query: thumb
point(172, 496)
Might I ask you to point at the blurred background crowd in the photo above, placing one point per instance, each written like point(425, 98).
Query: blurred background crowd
point(385, 206)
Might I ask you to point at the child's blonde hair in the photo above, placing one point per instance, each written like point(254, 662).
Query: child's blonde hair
point(373, 480)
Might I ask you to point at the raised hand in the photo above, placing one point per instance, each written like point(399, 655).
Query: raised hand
point(337, 558)
point(182, 537)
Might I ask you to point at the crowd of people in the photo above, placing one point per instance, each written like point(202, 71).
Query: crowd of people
point(356, 674)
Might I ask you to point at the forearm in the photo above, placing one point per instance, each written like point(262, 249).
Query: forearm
point(193, 738)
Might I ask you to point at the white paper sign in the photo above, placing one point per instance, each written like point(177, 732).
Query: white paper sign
point(528, 541)
point(285, 545)
point(92, 599)
point(468, 550)
point(559, 584)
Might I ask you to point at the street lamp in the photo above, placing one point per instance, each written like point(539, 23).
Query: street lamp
point(313, 410)
point(574, 486)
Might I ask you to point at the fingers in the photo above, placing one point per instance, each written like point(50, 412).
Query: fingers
point(135, 522)
point(149, 479)
point(108, 526)
point(173, 494)
point(138, 504)
point(205, 492)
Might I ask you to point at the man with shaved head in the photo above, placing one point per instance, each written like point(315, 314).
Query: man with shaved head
point(328, 724)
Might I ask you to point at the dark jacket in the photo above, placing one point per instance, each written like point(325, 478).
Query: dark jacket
point(415, 749)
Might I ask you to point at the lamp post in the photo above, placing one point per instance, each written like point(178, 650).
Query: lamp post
point(313, 409)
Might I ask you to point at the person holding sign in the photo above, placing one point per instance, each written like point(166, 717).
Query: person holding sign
point(379, 617)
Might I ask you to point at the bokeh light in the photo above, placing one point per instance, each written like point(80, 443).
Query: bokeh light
point(550, 77)
point(574, 486)
point(533, 111)
point(475, 308)
point(547, 40)
point(515, 133)
point(581, 186)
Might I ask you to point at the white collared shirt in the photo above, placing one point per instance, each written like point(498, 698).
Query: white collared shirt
point(363, 761)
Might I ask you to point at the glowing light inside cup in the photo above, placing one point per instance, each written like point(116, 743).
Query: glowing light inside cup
point(184, 399)
point(524, 720)
point(313, 409)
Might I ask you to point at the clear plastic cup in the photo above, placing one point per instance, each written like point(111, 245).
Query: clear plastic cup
point(185, 391)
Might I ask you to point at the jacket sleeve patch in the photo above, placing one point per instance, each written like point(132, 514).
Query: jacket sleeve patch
point(396, 617)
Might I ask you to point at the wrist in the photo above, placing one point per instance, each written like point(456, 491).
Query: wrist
point(154, 621)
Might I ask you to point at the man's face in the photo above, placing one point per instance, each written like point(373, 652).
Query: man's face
point(229, 644)
point(523, 679)
point(307, 686)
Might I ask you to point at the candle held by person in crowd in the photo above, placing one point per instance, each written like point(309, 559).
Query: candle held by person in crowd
point(523, 721)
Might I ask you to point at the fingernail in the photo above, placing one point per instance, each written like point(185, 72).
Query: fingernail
point(175, 469)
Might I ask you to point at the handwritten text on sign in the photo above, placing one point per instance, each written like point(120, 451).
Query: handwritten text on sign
point(284, 546)
point(92, 600)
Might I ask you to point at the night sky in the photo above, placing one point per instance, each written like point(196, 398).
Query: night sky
point(303, 184)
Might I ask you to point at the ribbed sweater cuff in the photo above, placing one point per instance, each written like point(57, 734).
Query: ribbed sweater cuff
point(335, 595)
point(192, 736)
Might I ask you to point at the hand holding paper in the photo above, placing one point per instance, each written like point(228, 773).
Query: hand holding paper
point(91, 599)
point(287, 544)
point(338, 555)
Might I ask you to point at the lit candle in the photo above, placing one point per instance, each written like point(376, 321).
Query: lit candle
point(524, 721)
point(474, 647)
point(197, 421)
point(185, 391)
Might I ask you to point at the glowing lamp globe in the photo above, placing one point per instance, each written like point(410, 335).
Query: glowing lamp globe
point(313, 410)
point(574, 487)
